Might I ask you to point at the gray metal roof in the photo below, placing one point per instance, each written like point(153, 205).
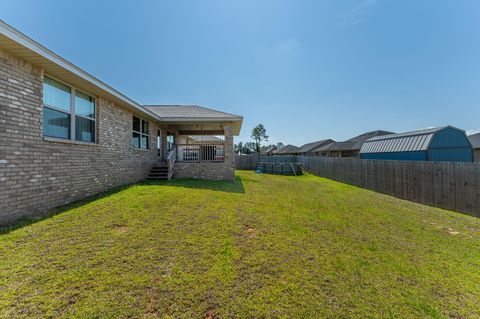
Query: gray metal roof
point(474, 140)
point(401, 142)
point(309, 147)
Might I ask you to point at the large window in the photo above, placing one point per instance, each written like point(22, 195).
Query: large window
point(67, 113)
point(140, 136)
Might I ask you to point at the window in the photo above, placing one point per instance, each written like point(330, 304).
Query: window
point(84, 117)
point(56, 124)
point(66, 117)
point(140, 135)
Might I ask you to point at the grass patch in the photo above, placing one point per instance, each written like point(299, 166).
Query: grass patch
point(265, 246)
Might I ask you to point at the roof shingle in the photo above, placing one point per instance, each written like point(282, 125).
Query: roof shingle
point(309, 147)
point(190, 112)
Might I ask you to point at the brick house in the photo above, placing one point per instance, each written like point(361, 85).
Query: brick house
point(65, 135)
point(348, 148)
point(475, 141)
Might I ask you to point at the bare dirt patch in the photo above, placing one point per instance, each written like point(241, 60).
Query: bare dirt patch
point(210, 315)
point(119, 228)
point(452, 232)
point(250, 231)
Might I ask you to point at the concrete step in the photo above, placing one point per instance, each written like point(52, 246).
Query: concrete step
point(159, 171)
point(158, 174)
point(157, 177)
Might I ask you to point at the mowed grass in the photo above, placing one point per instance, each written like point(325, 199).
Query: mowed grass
point(265, 246)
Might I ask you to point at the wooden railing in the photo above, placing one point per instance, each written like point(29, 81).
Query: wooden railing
point(171, 158)
point(196, 153)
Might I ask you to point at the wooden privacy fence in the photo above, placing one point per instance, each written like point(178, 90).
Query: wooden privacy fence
point(449, 185)
point(251, 161)
point(247, 162)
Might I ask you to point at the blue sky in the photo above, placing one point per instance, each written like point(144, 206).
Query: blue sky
point(307, 70)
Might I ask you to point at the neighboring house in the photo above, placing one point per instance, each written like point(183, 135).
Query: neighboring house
point(348, 148)
point(287, 150)
point(475, 141)
point(269, 151)
point(203, 139)
point(66, 135)
point(446, 143)
point(199, 139)
point(309, 148)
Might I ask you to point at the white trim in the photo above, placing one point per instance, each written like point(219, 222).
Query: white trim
point(56, 108)
point(201, 119)
point(73, 134)
point(67, 141)
point(141, 134)
point(73, 114)
point(28, 43)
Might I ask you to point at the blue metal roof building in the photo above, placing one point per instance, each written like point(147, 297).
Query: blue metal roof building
point(436, 144)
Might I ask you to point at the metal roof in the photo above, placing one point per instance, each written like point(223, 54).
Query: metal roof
point(474, 140)
point(309, 147)
point(402, 142)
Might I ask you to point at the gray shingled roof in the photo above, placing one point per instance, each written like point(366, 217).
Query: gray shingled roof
point(402, 142)
point(353, 144)
point(288, 149)
point(190, 112)
point(474, 140)
point(270, 149)
point(309, 147)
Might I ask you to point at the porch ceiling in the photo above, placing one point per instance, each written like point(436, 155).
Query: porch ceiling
point(200, 129)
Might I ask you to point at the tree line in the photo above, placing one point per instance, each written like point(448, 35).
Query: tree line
point(259, 135)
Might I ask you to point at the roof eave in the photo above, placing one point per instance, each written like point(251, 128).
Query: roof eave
point(236, 121)
point(27, 48)
point(50, 57)
point(201, 119)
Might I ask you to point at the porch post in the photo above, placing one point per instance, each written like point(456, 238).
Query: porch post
point(163, 146)
point(228, 134)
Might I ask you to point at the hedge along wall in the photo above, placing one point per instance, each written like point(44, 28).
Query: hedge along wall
point(448, 185)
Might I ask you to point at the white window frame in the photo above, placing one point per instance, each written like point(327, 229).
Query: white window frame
point(141, 134)
point(72, 113)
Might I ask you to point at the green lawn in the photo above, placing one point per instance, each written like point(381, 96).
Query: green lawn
point(265, 246)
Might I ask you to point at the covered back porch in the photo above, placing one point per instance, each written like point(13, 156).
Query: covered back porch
point(199, 144)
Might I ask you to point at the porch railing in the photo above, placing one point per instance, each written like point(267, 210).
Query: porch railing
point(196, 153)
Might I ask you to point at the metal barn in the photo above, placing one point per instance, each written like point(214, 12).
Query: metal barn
point(445, 143)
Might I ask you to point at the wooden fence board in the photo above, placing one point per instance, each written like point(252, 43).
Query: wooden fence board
point(453, 186)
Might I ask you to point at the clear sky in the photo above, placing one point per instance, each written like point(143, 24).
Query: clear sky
point(307, 70)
